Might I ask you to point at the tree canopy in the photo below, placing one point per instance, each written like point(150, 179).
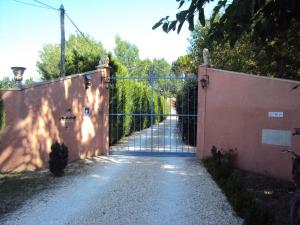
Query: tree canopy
point(252, 36)
point(6, 82)
point(279, 58)
point(262, 19)
point(82, 54)
point(159, 68)
point(127, 53)
point(183, 65)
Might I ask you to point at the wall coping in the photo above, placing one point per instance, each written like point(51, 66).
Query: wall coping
point(251, 75)
point(40, 83)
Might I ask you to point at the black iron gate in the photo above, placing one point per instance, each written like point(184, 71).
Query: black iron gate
point(153, 115)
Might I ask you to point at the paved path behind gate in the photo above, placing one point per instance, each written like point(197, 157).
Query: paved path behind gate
point(133, 191)
point(161, 137)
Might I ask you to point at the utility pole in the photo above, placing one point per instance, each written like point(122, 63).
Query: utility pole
point(62, 41)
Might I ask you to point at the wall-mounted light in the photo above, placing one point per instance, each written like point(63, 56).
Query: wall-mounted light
point(87, 80)
point(296, 131)
point(18, 74)
point(107, 83)
point(204, 81)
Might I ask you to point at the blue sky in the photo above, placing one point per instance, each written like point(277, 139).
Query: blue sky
point(25, 29)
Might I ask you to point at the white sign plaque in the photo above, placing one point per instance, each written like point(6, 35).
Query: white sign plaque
point(275, 114)
point(276, 137)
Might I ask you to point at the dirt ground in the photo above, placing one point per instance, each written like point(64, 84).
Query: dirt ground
point(16, 188)
point(272, 192)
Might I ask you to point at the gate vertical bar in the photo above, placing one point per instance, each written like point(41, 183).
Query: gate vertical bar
point(123, 106)
point(188, 118)
point(180, 122)
point(134, 111)
point(152, 111)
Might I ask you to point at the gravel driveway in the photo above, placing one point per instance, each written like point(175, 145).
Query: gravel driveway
point(127, 190)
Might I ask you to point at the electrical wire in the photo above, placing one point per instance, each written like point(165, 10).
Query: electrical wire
point(75, 25)
point(26, 3)
point(45, 6)
point(50, 7)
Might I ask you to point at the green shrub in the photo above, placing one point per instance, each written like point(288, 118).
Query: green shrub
point(186, 103)
point(244, 202)
point(58, 159)
point(133, 96)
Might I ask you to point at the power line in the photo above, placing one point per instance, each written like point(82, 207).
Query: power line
point(26, 3)
point(75, 26)
point(45, 5)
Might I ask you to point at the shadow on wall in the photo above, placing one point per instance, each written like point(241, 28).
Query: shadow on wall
point(62, 110)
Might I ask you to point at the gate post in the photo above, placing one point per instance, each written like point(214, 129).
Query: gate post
point(202, 91)
point(103, 70)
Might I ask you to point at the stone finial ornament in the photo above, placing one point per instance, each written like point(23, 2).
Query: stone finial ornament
point(206, 57)
point(18, 74)
point(104, 61)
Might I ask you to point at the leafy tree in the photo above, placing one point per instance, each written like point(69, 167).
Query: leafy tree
point(128, 54)
point(6, 82)
point(82, 54)
point(142, 68)
point(159, 68)
point(29, 81)
point(183, 65)
point(117, 68)
point(263, 19)
point(48, 65)
point(268, 29)
point(275, 59)
point(239, 57)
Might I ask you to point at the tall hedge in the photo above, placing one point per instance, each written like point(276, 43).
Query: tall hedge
point(128, 96)
point(186, 103)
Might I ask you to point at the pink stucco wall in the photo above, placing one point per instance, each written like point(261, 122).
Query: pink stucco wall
point(232, 112)
point(33, 121)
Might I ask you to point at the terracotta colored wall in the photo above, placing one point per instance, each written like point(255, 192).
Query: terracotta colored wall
point(33, 121)
point(232, 112)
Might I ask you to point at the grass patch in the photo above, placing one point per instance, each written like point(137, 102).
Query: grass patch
point(257, 199)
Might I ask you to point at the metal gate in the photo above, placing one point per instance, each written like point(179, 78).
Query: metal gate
point(155, 115)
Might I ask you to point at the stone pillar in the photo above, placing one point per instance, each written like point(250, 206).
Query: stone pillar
point(103, 70)
point(202, 71)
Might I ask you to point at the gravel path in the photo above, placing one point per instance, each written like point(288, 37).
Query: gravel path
point(131, 190)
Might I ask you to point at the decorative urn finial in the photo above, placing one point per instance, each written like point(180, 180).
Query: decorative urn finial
point(18, 74)
point(104, 61)
point(206, 57)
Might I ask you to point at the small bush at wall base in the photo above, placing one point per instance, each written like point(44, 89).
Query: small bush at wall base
point(58, 159)
point(244, 202)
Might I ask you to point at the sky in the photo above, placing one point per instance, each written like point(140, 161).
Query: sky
point(24, 29)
